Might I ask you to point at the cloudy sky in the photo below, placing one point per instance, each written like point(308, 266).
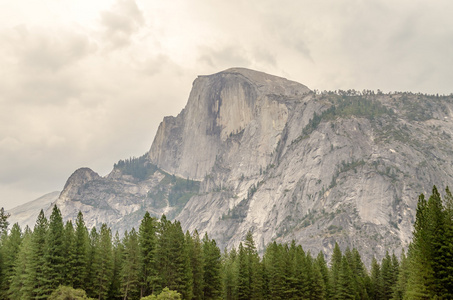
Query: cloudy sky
point(86, 83)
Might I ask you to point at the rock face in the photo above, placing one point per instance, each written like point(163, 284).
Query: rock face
point(26, 214)
point(219, 106)
point(251, 151)
point(269, 164)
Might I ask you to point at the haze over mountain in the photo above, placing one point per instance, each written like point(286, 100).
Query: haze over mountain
point(255, 152)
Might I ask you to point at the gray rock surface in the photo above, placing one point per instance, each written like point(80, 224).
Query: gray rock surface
point(271, 156)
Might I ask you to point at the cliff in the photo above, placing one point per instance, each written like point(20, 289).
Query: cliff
point(252, 151)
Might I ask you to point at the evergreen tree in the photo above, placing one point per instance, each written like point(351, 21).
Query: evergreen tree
point(149, 278)
point(322, 265)
point(3, 221)
point(243, 281)
point(230, 280)
point(360, 274)
point(212, 287)
point(91, 263)
point(55, 254)
point(253, 264)
point(115, 285)
point(315, 280)
point(447, 247)
point(173, 257)
point(345, 286)
point(130, 271)
point(18, 288)
point(69, 248)
point(403, 275)
point(376, 280)
point(36, 277)
point(273, 257)
point(195, 250)
point(335, 269)
point(295, 272)
point(421, 274)
point(103, 263)
point(10, 249)
point(81, 249)
point(387, 277)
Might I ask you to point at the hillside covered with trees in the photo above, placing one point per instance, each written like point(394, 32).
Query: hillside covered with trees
point(159, 258)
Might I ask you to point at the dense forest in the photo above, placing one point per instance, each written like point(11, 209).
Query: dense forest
point(159, 261)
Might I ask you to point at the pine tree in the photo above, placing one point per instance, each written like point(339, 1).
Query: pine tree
point(335, 269)
point(3, 221)
point(243, 271)
point(212, 286)
point(81, 246)
point(54, 255)
point(437, 230)
point(296, 271)
point(376, 280)
point(387, 277)
point(316, 287)
point(10, 249)
point(36, 281)
point(230, 280)
point(447, 246)
point(403, 275)
point(173, 258)
point(360, 274)
point(69, 248)
point(18, 287)
point(115, 285)
point(254, 265)
point(130, 271)
point(421, 274)
point(149, 278)
point(91, 263)
point(322, 265)
point(196, 263)
point(103, 263)
point(345, 286)
point(273, 257)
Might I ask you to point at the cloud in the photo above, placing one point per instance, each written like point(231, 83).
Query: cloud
point(121, 22)
point(88, 86)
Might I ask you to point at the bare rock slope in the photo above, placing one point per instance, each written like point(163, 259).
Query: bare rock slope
point(251, 151)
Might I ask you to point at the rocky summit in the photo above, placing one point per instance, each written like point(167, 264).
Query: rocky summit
point(256, 152)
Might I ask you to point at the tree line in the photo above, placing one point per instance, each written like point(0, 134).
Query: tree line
point(160, 259)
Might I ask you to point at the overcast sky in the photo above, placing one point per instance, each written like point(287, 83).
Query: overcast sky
point(86, 83)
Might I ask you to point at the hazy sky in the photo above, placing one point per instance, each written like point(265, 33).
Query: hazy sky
point(86, 83)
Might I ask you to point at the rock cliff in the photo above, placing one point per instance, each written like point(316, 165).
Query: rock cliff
point(251, 151)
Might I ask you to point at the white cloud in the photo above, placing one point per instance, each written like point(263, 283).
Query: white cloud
point(86, 83)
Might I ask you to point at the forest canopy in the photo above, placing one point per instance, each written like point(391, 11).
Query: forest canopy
point(160, 261)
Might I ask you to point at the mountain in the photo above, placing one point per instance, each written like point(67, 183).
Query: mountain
point(26, 214)
point(252, 151)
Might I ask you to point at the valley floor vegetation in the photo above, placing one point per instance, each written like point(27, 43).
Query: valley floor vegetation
point(67, 261)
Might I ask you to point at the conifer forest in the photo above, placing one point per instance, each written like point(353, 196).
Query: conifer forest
point(160, 261)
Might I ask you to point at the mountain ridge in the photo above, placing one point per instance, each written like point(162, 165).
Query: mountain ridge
point(256, 152)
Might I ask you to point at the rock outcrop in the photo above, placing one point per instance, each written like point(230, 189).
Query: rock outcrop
point(251, 151)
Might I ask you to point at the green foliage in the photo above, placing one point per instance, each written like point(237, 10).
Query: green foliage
point(148, 255)
point(68, 293)
point(177, 190)
point(166, 294)
point(81, 245)
point(196, 256)
point(138, 167)
point(3, 221)
point(344, 107)
point(212, 277)
point(160, 262)
point(130, 270)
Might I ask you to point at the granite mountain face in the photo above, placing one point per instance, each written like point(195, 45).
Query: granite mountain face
point(251, 151)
